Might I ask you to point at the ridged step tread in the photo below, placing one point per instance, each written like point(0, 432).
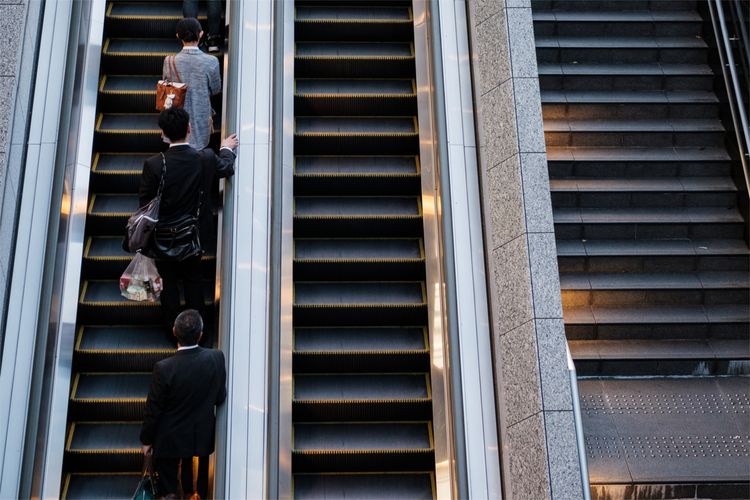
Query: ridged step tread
point(621, 42)
point(103, 447)
point(121, 348)
point(357, 447)
point(660, 357)
point(353, 23)
point(99, 486)
point(386, 349)
point(361, 397)
point(415, 485)
point(109, 396)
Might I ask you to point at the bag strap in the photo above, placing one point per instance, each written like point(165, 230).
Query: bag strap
point(173, 68)
point(148, 469)
point(163, 174)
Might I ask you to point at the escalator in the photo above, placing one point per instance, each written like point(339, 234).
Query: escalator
point(117, 342)
point(362, 407)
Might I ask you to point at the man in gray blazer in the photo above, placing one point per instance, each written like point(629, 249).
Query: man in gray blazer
point(201, 73)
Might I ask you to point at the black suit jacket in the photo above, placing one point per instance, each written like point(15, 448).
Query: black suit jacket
point(188, 170)
point(179, 418)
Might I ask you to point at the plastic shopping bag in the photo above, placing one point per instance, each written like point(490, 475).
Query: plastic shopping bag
point(141, 281)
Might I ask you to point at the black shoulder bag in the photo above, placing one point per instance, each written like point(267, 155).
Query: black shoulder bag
point(178, 239)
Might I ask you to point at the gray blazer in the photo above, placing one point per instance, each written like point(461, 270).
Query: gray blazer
point(201, 73)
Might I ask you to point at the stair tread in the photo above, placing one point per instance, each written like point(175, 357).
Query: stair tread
point(106, 247)
point(141, 122)
point(362, 248)
point(363, 293)
point(105, 292)
point(360, 387)
point(345, 13)
point(130, 83)
point(307, 340)
point(118, 437)
point(356, 205)
point(348, 50)
point(171, 10)
point(124, 338)
point(627, 97)
point(632, 125)
point(659, 349)
point(111, 386)
point(355, 165)
point(100, 486)
point(624, 69)
point(109, 162)
point(617, 16)
point(362, 436)
point(413, 485)
point(732, 313)
point(654, 280)
point(355, 125)
point(647, 215)
point(607, 42)
point(139, 46)
point(637, 154)
point(359, 87)
point(653, 425)
point(102, 204)
point(651, 247)
point(658, 184)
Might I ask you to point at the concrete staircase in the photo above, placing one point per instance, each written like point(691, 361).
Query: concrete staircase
point(652, 247)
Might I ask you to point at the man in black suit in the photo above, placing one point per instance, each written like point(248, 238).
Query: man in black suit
point(179, 419)
point(189, 173)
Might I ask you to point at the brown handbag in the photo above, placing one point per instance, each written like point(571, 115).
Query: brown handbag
point(171, 92)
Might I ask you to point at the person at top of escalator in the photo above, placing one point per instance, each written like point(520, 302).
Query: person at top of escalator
point(200, 72)
point(214, 38)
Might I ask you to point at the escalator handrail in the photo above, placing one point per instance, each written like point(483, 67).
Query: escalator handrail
point(731, 81)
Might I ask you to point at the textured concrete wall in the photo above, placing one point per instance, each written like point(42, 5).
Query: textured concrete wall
point(539, 452)
point(17, 44)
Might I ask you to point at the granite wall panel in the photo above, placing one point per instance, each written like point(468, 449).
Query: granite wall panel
point(538, 442)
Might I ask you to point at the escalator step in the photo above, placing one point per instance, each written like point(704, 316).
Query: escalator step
point(416, 486)
point(139, 56)
point(99, 486)
point(109, 396)
point(356, 447)
point(378, 97)
point(361, 397)
point(121, 348)
point(356, 206)
point(358, 387)
point(104, 447)
point(128, 93)
point(353, 23)
point(358, 293)
point(104, 258)
point(358, 259)
point(128, 132)
point(100, 303)
point(108, 213)
point(312, 165)
point(362, 436)
point(359, 461)
point(354, 60)
point(140, 19)
point(323, 350)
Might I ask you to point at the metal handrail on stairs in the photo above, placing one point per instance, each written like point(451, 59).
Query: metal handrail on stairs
point(731, 79)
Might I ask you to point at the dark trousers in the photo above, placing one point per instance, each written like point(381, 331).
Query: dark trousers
point(176, 472)
point(186, 274)
point(190, 9)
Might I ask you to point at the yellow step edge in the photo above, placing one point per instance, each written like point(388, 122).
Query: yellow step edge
point(373, 260)
point(371, 451)
point(361, 306)
point(362, 352)
point(318, 95)
point(361, 401)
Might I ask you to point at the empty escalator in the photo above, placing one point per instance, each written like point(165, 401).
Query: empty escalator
point(117, 342)
point(362, 410)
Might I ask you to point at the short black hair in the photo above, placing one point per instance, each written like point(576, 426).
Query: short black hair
point(189, 29)
point(174, 122)
point(188, 327)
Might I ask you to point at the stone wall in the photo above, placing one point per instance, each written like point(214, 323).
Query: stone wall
point(18, 45)
point(539, 450)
